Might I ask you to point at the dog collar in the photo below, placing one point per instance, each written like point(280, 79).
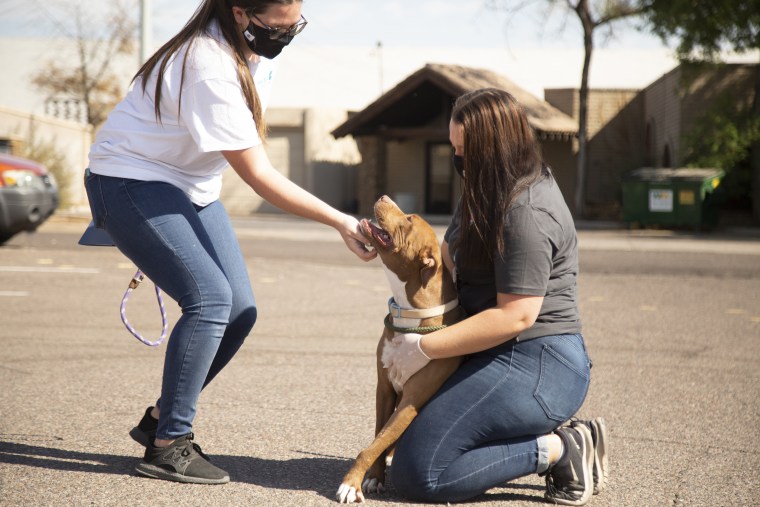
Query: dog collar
point(416, 313)
point(408, 319)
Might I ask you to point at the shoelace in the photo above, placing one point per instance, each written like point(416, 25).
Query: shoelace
point(197, 447)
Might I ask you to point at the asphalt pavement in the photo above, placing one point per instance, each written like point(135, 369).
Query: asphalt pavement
point(671, 321)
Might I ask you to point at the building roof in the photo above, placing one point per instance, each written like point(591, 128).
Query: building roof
point(453, 81)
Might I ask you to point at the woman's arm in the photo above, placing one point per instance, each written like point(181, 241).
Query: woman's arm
point(253, 166)
point(512, 315)
point(408, 353)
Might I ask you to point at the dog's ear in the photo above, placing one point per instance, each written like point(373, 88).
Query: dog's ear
point(428, 268)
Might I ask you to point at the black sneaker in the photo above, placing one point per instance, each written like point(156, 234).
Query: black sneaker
point(181, 461)
point(599, 436)
point(570, 481)
point(145, 431)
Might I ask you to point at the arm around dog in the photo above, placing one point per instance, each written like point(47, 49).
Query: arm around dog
point(254, 167)
point(512, 315)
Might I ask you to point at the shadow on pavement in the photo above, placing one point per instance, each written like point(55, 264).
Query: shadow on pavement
point(321, 474)
point(65, 460)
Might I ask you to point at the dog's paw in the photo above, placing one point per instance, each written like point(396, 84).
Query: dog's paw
point(372, 485)
point(349, 494)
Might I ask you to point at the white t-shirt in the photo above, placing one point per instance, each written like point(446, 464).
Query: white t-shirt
point(184, 147)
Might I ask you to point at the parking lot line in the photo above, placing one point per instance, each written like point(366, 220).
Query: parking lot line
point(52, 269)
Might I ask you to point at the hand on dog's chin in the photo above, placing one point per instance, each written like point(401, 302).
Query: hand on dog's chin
point(356, 240)
point(361, 250)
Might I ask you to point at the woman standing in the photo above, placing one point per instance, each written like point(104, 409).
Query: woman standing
point(153, 184)
point(512, 246)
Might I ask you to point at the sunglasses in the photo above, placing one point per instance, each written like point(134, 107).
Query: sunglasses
point(276, 33)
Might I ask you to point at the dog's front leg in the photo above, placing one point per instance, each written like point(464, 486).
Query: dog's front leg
point(359, 479)
point(417, 391)
point(386, 400)
point(350, 490)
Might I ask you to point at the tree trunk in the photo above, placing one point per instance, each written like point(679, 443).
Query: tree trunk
point(755, 156)
point(588, 45)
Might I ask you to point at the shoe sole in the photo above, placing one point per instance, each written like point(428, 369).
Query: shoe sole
point(600, 438)
point(155, 472)
point(587, 456)
point(139, 436)
point(601, 461)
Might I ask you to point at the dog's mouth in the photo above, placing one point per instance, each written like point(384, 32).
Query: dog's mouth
point(380, 236)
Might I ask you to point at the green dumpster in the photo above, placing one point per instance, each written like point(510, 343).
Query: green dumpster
point(670, 197)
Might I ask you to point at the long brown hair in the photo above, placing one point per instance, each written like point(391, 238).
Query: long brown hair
point(502, 158)
point(221, 10)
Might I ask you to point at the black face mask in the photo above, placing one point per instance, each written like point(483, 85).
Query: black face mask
point(258, 40)
point(458, 161)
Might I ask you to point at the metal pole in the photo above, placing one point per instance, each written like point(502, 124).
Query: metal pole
point(380, 65)
point(145, 30)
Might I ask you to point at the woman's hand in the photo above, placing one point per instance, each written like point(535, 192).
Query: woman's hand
point(352, 234)
point(403, 357)
point(253, 166)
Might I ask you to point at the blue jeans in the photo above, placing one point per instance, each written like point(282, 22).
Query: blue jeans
point(480, 430)
point(192, 254)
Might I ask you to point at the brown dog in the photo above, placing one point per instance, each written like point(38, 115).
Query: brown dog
point(424, 296)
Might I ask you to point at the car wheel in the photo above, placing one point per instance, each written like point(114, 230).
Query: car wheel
point(5, 236)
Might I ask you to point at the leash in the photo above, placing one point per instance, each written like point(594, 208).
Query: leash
point(95, 236)
point(139, 277)
point(418, 330)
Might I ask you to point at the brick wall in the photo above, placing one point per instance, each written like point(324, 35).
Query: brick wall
point(616, 141)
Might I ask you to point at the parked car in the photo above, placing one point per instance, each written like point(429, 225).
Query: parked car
point(28, 195)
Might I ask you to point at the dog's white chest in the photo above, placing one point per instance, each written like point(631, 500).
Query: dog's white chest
point(398, 288)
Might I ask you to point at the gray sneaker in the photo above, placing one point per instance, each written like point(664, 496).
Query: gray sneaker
point(570, 480)
point(181, 461)
point(600, 438)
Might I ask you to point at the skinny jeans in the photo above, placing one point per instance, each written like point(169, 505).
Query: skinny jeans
point(482, 427)
point(192, 254)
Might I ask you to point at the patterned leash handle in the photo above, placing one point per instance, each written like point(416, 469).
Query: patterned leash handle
point(139, 277)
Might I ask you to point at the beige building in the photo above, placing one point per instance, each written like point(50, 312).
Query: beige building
point(300, 146)
point(403, 137)
point(629, 129)
point(675, 104)
point(616, 137)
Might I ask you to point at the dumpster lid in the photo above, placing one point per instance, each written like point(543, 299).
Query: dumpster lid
point(669, 173)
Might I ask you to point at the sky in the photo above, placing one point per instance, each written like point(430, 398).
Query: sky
point(336, 62)
point(394, 23)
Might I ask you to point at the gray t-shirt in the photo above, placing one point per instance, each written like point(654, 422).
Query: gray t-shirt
point(540, 259)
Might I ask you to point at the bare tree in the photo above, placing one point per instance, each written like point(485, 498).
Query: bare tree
point(592, 15)
point(86, 87)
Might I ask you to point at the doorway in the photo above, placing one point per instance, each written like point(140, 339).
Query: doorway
point(440, 185)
